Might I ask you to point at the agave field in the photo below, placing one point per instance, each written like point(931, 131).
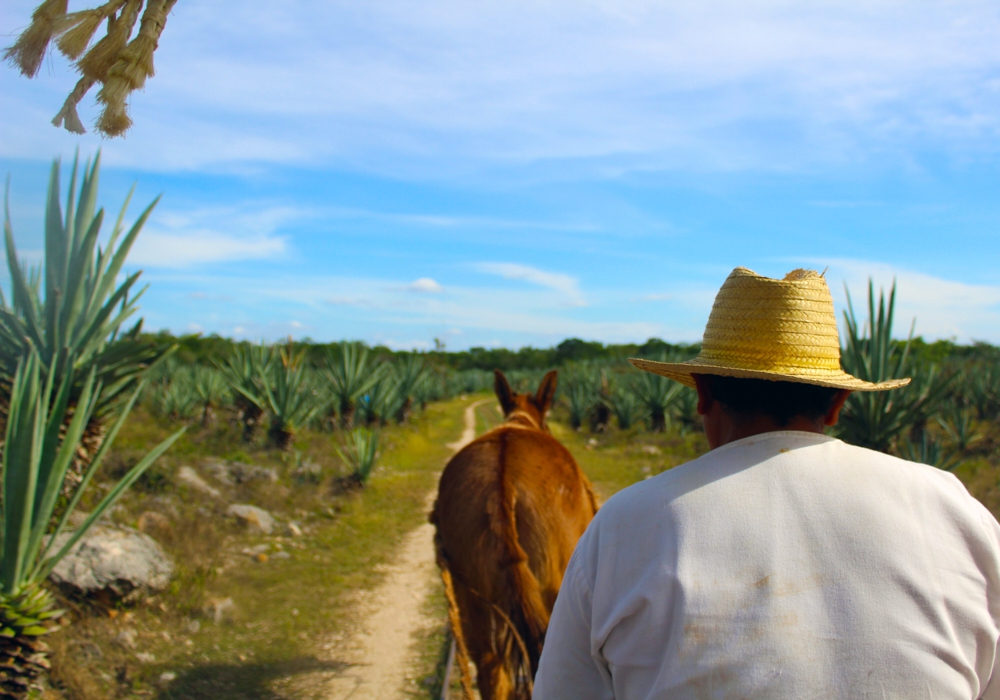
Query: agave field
point(104, 422)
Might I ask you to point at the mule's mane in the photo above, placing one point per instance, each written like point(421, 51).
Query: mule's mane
point(521, 414)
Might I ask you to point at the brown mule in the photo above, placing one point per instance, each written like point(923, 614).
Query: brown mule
point(511, 506)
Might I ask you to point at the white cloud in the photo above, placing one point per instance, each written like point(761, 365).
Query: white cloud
point(178, 239)
point(564, 284)
point(194, 248)
point(425, 285)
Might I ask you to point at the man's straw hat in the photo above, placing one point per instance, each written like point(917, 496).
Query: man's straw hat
point(763, 328)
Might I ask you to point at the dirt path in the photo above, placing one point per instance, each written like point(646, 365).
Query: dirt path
point(380, 654)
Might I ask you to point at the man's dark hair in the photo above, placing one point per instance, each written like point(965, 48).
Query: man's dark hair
point(782, 401)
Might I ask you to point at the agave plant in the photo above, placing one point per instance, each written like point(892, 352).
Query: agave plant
point(656, 396)
point(685, 410)
point(42, 434)
point(875, 419)
point(350, 375)
point(360, 453)
point(408, 373)
point(381, 403)
point(72, 313)
point(210, 389)
point(983, 389)
point(174, 399)
point(625, 406)
point(960, 426)
point(290, 401)
point(245, 371)
point(579, 396)
point(926, 450)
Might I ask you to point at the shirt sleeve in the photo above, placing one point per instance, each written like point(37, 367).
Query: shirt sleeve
point(992, 691)
point(568, 670)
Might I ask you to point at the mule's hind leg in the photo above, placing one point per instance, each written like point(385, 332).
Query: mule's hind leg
point(479, 627)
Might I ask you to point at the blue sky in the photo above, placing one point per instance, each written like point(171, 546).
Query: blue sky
point(513, 173)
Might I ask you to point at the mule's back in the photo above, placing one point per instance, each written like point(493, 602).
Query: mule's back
point(519, 478)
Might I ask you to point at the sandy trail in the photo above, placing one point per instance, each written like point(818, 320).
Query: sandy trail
point(380, 652)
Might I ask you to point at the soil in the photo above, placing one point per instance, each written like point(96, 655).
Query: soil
point(374, 660)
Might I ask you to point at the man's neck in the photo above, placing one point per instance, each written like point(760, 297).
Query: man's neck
point(729, 428)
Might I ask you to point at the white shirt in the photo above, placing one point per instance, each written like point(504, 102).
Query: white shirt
point(784, 565)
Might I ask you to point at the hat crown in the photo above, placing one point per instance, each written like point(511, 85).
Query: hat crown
point(776, 326)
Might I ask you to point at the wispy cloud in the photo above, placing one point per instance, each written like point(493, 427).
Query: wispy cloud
point(392, 85)
point(557, 281)
point(175, 239)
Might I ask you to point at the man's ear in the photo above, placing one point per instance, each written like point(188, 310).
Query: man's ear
point(705, 399)
point(546, 392)
point(503, 392)
point(838, 403)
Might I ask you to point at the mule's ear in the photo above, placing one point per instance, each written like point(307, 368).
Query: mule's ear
point(546, 392)
point(503, 391)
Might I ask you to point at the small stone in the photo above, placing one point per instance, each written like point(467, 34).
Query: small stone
point(253, 517)
point(293, 529)
point(167, 677)
point(260, 558)
point(592, 442)
point(152, 522)
point(188, 476)
point(282, 555)
point(126, 639)
point(295, 612)
point(651, 449)
point(193, 626)
point(220, 609)
point(145, 657)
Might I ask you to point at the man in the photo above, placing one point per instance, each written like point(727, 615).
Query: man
point(783, 563)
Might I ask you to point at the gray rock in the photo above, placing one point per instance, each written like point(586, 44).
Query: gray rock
point(231, 473)
point(255, 518)
point(116, 559)
point(126, 639)
point(651, 449)
point(145, 657)
point(293, 529)
point(188, 476)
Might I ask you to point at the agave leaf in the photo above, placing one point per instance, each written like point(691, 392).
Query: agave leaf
point(53, 473)
point(80, 259)
point(95, 464)
point(20, 470)
point(109, 500)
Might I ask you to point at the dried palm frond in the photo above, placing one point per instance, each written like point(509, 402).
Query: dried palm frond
point(120, 61)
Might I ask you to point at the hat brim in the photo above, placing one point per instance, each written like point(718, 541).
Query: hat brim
point(682, 371)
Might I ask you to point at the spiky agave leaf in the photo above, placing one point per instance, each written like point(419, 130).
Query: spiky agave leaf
point(75, 318)
point(350, 375)
point(360, 453)
point(876, 419)
point(290, 401)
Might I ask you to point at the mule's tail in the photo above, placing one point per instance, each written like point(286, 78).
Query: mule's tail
point(455, 621)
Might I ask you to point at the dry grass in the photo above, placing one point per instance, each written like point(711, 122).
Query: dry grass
point(284, 608)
